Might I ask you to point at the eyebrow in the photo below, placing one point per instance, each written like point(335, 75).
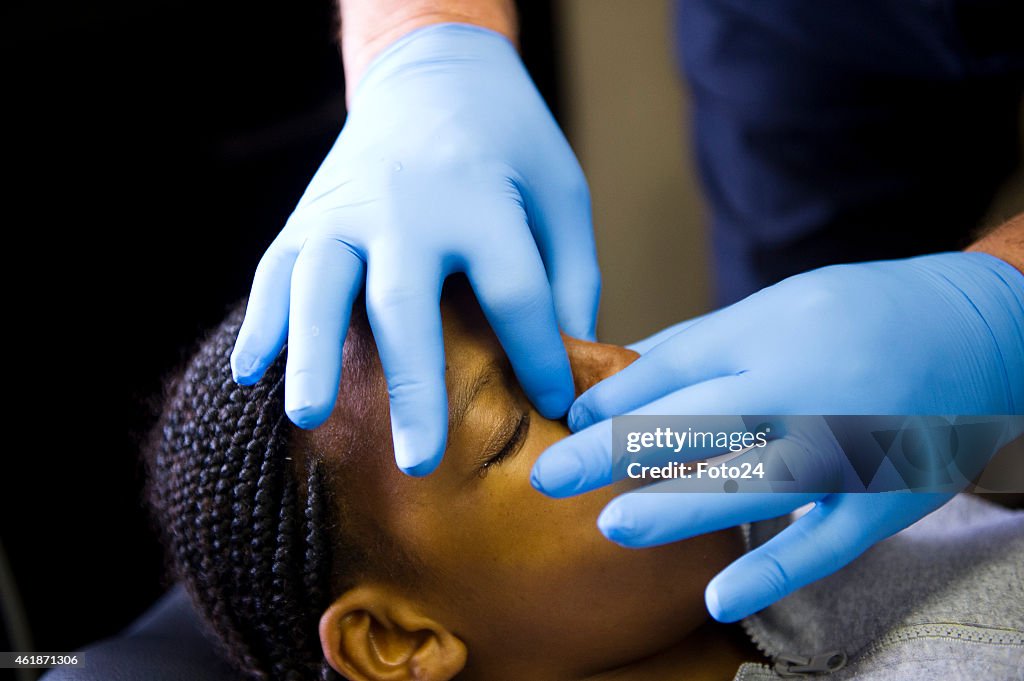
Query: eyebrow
point(490, 372)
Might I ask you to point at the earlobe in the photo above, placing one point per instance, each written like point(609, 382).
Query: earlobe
point(371, 633)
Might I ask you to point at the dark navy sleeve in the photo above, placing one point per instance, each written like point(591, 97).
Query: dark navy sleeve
point(848, 130)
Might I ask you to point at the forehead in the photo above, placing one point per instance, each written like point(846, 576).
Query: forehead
point(359, 425)
point(355, 444)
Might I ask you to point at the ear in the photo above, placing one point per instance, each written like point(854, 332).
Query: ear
point(371, 633)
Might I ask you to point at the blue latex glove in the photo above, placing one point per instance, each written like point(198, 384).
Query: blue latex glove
point(449, 161)
point(940, 334)
point(643, 345)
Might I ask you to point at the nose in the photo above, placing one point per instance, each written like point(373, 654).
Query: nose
point(594, 362)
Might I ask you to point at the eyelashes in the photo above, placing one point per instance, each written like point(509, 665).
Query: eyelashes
point(512, 446)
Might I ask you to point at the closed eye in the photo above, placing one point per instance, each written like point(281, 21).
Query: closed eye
point(512, 446)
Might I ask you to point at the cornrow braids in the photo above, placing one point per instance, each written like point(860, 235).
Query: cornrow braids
point(244, 521)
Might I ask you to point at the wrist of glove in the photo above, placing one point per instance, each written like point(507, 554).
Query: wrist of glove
point(988, 294)
point(447, 45)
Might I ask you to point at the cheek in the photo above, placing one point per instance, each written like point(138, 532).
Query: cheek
point(533, 576)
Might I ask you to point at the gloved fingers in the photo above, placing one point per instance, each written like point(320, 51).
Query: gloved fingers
point(583, 461)
point(328, 274)
point(562, 227)
point(577, 464)
point(403, 298)
point(837, 530)
point(644, 345)
point(723, 491)
point(265, 326)
point(804, 457)
point(693, 355)
point(665, 512)
point(514, 294)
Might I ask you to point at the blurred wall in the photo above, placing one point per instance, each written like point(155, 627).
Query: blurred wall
point(624, 109)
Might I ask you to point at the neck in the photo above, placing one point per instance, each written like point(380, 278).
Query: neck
point(713, 652)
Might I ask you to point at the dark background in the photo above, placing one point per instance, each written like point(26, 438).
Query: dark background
point(153, 151)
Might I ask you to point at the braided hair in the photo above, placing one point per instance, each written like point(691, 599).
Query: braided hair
point(248, 519)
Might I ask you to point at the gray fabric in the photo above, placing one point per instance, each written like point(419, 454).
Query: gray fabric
point(943, 599)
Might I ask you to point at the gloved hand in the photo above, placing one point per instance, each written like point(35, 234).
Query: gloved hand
point(940, 334)
point(449, 161)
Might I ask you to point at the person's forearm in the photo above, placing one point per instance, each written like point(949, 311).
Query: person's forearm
point(368, 26)
point(1005, 242)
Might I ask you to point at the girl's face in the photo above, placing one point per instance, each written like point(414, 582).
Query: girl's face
point(527, 582)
